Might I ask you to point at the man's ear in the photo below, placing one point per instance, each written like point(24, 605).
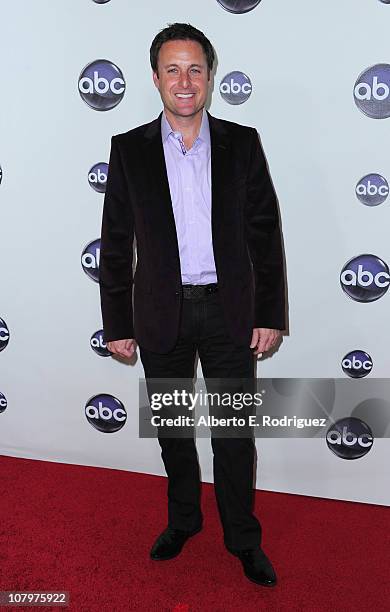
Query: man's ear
point(156, 80)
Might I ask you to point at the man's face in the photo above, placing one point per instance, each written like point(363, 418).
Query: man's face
point(183, 79)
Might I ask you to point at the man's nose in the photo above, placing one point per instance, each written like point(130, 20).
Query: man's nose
point(185, 80)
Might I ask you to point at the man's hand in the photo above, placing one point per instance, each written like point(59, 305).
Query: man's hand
point(123, 348)
point(263, 339)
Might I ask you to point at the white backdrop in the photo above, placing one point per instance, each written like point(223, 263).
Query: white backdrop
point(303, 59)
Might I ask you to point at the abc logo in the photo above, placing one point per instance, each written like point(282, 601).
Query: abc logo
point(385, 1)
point(238, 6)
point(105, 413)
point(372, 189)
point(97, 177)
point(365, 278)
point(90, 259)
point(98, 345)
point(357, 364)
point(235, 87)
point(349, 438)
point(4, 335)
point(3, 402)
point(372, 91)
point(1, 175)
point(101, 85)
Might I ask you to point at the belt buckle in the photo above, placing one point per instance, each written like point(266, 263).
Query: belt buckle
point(192, 291)
point(198, 291)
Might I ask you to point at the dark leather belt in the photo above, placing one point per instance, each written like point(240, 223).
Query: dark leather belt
point(192, 292)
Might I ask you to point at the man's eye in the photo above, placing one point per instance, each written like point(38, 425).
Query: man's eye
point(195, 70)
point(171, 69)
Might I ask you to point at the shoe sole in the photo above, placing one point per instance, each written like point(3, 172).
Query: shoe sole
point(166, 558)
point(266, 584)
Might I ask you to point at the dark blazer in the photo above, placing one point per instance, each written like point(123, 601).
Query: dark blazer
point(246, 238)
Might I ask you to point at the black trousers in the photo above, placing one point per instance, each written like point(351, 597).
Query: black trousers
point(202, 329)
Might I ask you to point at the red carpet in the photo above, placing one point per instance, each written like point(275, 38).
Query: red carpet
point(88, 531)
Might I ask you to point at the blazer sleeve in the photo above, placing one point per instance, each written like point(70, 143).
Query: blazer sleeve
point(116, 253)
point(264, 242)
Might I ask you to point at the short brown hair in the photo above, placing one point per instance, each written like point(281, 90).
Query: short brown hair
point(181, 31)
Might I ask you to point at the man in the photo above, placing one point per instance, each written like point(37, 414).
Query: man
point(196, 192)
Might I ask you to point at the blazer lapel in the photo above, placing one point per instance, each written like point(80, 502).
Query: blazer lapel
point(220, 151)
point(157, 183)
point(155, 163)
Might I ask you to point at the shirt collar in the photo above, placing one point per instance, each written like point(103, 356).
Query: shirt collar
point(204, 132)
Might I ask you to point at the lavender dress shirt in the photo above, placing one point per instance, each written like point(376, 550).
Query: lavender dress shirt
point(189, 177)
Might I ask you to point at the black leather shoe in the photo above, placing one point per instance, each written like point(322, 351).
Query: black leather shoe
point(257, 566)
point(169, 544)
